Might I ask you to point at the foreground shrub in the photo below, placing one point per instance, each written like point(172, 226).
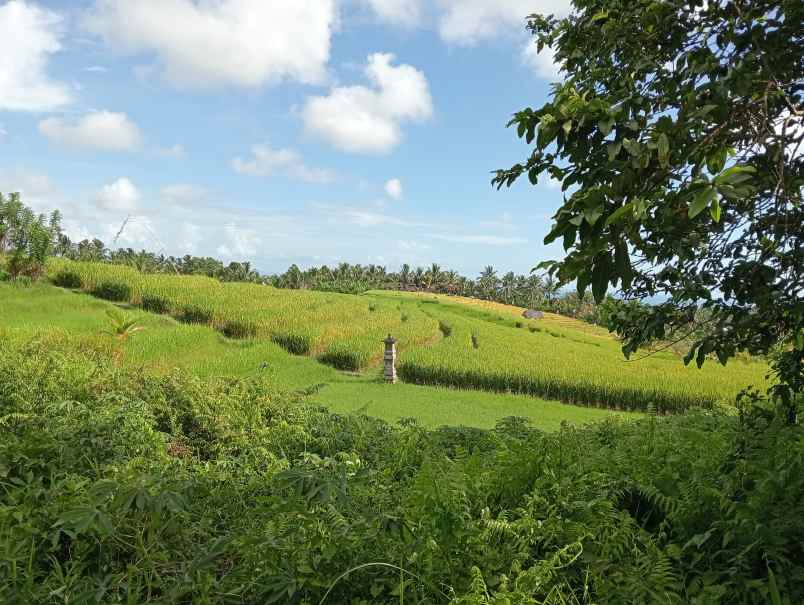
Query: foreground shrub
point(239, 328)
point(297, 344)
point(68, 279)
point(120, 485)
point(195, 315)
point(155, 303)
point(115, 291)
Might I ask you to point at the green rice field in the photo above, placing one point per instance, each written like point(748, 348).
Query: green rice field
point(443, 342)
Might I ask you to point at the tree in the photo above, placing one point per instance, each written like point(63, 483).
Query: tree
point(27, 238)
point(487, 282)
point(677, 137)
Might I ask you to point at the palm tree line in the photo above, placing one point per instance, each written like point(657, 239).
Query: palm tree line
point(27, 239)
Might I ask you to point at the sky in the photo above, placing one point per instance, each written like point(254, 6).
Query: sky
point(280, 131)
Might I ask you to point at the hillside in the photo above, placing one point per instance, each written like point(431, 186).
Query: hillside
point(43, 311)
point(443, 341)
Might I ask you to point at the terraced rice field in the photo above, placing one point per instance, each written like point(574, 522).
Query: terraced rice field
point(492, 347)
point(443, 341)
point(339, 329)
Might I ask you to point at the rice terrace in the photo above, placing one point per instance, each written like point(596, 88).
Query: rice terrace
point(221, 383)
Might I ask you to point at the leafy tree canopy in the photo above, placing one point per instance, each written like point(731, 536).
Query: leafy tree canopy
point(677, 134)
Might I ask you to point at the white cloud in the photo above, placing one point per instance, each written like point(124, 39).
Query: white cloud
point(121, 196)
point(407, 13)
point(3, 132)
point(245, 43)
point(266, 161)
point(34, 187)
point(100, 130)
point(485, 240)
point(359, 119)
point(239, 242)
point(469, 21)
point(411, 245)
point(96, 69)
point(176, 152)
point(183, 194)
point(29, 36)
point(542, 63)
point(394, 189)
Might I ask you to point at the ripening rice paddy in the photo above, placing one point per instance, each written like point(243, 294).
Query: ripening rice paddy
point(443, 341)
point(339, 329)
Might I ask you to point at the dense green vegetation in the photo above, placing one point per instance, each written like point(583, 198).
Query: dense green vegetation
point(122, 486)
point(441, 343)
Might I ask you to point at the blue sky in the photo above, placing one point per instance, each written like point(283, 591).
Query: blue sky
point(306, 131)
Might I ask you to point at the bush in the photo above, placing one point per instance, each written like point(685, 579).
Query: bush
point(297, 344)
point(4, 276)
point(193, 314)
point(154, 303)
point(660, 510)
point(240, 329)
point(341, 359)
point(68, 279)
point(115, 291)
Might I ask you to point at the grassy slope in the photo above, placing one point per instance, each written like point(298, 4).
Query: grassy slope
point(561, 358)
point(553, 358)
point(167, 343)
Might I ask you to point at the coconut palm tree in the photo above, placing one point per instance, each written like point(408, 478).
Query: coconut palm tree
point(433, 276)
point(508, 287)
point(488, 283)
point(404, 276)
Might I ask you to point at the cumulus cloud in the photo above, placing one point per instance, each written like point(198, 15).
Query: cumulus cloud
point(398, 12)
point(360, 119)
point(120, 196)
point(245, 43)
point(183, 194)
point(265, 161)
point(239, 242)
point(470, 21)
point(542, 63)
point(30, 35)
point(394, 189)
point(176, 152)
point(99, 131)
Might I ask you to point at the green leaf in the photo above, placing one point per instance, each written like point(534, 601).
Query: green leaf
point(701, 201)
point(619, 214)
point(600, 276)
point(773, 589)
point(735, 175)
point(663, 146)
point(605, 126)
point(714, 210)
point(622, 262)
point(533, 176)
point(716, 160)
point(613, 148)
point(567, 127)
